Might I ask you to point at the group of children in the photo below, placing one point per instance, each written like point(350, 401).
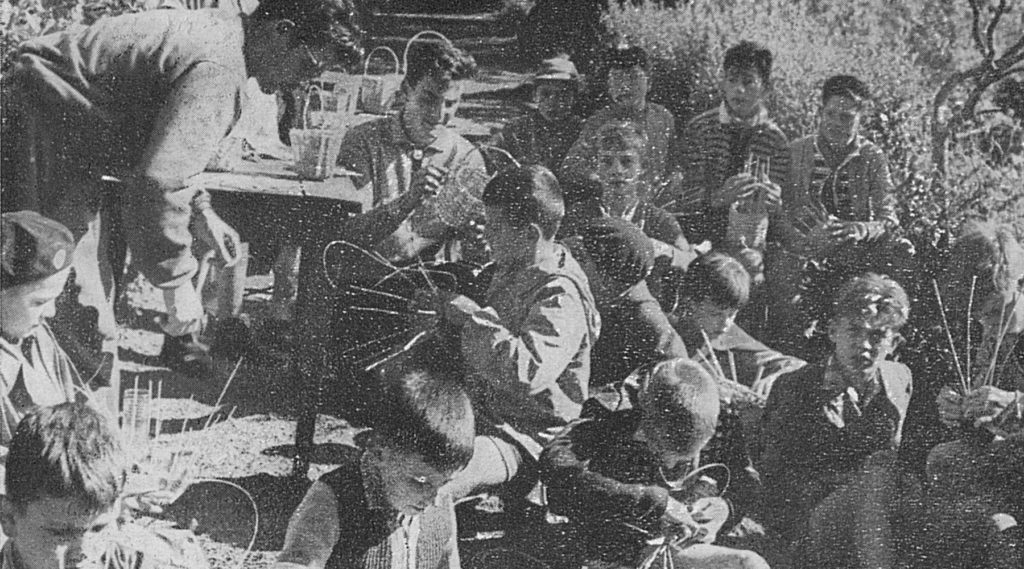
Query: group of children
point(602, 358)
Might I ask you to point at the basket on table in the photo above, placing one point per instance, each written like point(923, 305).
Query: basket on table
point(378, 92)
point(317, 144)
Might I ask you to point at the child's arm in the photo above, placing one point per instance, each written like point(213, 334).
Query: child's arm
point(533, 356)
point(312, 531)
point(380, 220)
point(584, 495)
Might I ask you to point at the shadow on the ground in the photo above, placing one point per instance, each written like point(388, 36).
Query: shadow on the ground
point(324, 453)
point(219, 509)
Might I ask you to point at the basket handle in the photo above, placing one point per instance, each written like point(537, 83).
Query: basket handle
point(394, 57)
point(405, 54)
point(305, 107)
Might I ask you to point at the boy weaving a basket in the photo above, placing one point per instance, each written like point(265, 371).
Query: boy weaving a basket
point(612, 472)
point(528, 348)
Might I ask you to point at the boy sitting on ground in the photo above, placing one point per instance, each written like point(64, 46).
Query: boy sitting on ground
point(715, 146)
point(617, 258)
point(628, 83)
point(839, 200)
point(621, 153)
point(383, 508)
point(65, 476)
point(35, 260)
point(545, 134)
point(831, 431)
point(528, 350)
point(611, 472)
point(403, 161)
point(703, 307)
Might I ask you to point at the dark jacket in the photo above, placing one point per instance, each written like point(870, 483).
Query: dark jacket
point(634, 332)
point(815, 437)
point(608, 483)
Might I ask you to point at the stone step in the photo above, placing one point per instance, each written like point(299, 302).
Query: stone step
point(454, 26)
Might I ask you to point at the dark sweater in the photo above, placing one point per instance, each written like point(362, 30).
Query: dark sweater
point(366, 524)
point(634, 332)
point(602, 478)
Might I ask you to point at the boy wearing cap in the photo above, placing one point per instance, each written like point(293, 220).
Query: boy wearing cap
point(617, 258)
point(628, 84)
point(35, 259)
point(544, 135)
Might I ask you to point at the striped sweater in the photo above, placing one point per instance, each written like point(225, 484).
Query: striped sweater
point(713, 147)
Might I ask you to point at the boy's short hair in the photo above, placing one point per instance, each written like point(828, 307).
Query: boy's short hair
point(714, 276)
point(426, 410)
point(988, 254)
point(749, 55)
point(318, 22)
point(69, 450)
point(527, 195)
point(875, 297)
point(681, 399)
point(619, 249)
point(438, 59)
point(845, 86)
point(621, 136)
point(624, 56)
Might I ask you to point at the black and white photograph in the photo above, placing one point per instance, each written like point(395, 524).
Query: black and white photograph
point(511, 284)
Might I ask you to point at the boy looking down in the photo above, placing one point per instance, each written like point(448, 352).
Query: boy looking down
point(35, 260)
point(611, 471)
point(65, 477)
point(382, 507)
point(528, 350)
point(617, 258)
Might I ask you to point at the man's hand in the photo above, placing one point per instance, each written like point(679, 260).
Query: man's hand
point(677, 515)
point(427, 182)
point(733, 189)
point(218, 235)
point(434, 304)
point(950, 404)
point(848, 231)
point(983, 405)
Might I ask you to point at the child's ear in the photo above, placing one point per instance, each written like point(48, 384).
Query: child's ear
point(536, 233)
point(7, 517)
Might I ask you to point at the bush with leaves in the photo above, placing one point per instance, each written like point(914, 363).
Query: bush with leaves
point(886, 44)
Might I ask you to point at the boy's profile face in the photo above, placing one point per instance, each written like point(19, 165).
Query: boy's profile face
point(508, 243)
point(674, 462)
point(710, 318)
point(619, 172)
point(410, 484)
point(24, 307)
point(627, 87)
point(840, 119)
point(743, 90)
point(430, 104)
point(861, 344)
point(555, 99)
point(49, 533)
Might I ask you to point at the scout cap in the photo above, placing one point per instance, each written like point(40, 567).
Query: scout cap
point(32, 248)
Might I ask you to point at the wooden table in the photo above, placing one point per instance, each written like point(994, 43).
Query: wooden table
point(272, 198)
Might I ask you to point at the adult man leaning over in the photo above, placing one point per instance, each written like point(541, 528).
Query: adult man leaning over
point(145, 98)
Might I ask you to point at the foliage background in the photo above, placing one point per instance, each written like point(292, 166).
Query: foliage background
point(903, 50)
